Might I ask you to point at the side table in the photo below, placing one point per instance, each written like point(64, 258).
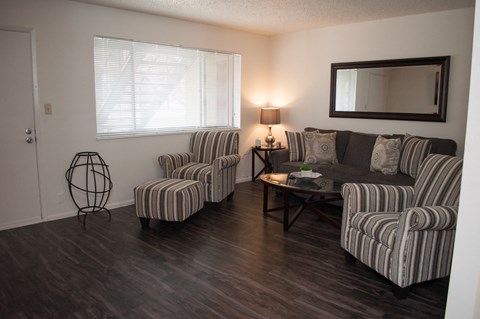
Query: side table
point(256, 152)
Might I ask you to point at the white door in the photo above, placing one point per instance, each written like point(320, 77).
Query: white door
point(19, 187)
point(376, 98)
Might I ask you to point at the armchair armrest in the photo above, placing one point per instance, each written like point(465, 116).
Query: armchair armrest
point(376, 198)
point(423, 246)
point(226, 161)
point(430, 218)
point(170, 162)
point(371, 198)
point(278, 157)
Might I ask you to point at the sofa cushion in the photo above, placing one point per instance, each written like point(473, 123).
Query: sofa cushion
point(350, 174)
point(379, 178)
point(296, 146)
point(359, 150)
point(385, 155)
point(288, 167)
point(320, 148)
point(342, 173)
point(339, 172)
point(414, 151)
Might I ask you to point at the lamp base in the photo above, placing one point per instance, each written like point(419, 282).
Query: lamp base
point(270, 140)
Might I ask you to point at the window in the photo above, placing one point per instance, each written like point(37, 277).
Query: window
point(346, 90)
point(144, 88)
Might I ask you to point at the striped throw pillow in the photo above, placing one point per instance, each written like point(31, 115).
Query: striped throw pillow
point(414, 151)
point(296, 146)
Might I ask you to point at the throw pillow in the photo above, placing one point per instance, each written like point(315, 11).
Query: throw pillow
point(295, 146)
point(320, 148)
point(385, 155)
point(414, 151)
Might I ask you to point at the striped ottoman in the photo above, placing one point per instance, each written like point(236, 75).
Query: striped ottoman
point(168, 199)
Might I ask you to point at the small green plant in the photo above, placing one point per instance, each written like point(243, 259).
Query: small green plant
point(305, 167)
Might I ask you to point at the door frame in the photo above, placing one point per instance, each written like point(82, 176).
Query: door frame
point(36, 108)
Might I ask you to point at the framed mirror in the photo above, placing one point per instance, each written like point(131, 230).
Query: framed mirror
point(403, 89)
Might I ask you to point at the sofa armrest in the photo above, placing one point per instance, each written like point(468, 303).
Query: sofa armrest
point(430, 218)
point(169, 162)
point(376, 198)
point(226, 161)
point(278, 157)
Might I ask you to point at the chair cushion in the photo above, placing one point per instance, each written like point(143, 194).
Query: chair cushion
point(379, 226)
point(194, 171)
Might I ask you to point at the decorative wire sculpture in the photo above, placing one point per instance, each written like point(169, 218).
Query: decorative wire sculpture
point(90, 194)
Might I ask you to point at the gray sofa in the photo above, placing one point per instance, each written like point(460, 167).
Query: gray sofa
point(354, 152)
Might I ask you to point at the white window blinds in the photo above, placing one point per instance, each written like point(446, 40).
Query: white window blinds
point(143, 88)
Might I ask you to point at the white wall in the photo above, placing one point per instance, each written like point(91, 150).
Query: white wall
point(300, 68)
point(64, 33)
point(464, 289)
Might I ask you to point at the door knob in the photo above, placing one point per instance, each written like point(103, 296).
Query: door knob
point(29, 140)
point(28, 131)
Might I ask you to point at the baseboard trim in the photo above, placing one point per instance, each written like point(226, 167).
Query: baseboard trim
point(243, 179)
point(74, 213)
point(21, 223)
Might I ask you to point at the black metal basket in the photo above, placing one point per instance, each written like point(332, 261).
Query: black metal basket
point(89, 183)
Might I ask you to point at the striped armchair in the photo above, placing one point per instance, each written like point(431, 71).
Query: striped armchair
point(405, 233)
point(212, 160)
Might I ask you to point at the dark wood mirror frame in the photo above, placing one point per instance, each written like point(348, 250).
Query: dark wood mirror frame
point(441, 86)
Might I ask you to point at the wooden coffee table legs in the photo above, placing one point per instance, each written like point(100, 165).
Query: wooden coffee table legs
point(289, 219)
point(322, 216)
point(287, 222)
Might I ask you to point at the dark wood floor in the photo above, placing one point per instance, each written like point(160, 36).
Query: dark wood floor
point(225, 263)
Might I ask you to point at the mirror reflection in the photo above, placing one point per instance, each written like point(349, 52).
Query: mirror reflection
point(411, 89)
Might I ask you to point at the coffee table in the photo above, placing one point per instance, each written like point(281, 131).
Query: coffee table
point(306, 191)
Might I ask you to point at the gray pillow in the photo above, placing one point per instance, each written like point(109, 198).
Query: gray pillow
point(385, 155)
point(414, 151)
point(320, 148)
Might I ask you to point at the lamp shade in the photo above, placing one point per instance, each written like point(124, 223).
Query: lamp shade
point(270, 115)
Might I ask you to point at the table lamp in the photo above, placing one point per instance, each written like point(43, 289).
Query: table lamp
point(270, 116)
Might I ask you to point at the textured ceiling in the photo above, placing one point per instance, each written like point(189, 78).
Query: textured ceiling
point(280, 16)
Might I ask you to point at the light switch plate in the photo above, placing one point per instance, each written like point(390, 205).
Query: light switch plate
point(48, 109)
